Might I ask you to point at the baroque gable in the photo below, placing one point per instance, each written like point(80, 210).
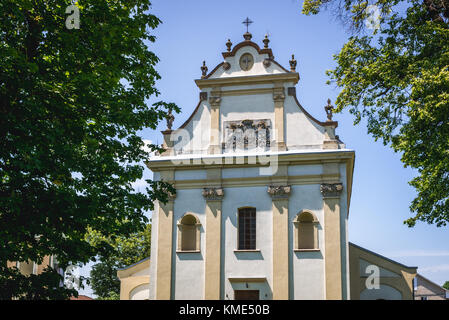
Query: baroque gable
point(248, 103)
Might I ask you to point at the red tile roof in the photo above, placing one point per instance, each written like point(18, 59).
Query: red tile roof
point(81, 297)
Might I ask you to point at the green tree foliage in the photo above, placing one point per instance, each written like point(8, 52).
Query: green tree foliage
point(123, 252)
point(397, 77)
point(72, 103)
point(446, 285)
point(111, 296)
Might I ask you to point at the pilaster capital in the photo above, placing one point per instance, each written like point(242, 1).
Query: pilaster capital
point(278, 94)
point(215, 97)
point(279, 192)
point(213, 194)
point(215, 101)
point(203, 95)
point(171, 196)
point(331, 189)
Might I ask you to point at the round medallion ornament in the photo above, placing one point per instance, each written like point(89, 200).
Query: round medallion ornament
point(246, 62)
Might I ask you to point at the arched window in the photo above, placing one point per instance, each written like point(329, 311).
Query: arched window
point(189, 233)
point(306, 231)
point(247, 229)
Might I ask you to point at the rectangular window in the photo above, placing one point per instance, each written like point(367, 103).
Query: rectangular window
point(247, 229)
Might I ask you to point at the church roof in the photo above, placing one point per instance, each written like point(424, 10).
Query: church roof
point(381, 256)
point(133, 268)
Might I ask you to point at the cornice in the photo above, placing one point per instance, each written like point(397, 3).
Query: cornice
point(248, 160)
point(248, 80)
point(258, 181)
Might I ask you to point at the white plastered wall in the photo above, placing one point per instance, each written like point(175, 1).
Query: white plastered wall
point(307, 280)
point(188, 268)
point(195, 136)
point(247, 264)
point(301, 132)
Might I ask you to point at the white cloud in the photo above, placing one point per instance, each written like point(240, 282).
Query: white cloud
point(140, 183)
point(435, 269)
point(145, 148)
point(419, 253)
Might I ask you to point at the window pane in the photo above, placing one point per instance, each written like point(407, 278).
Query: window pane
point(247, 229)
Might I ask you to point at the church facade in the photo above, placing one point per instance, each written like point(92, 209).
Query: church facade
point(263, 191)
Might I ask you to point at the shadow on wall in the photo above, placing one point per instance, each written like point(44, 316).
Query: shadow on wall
point(304, 255)
point(256, 255)
point(190, 256)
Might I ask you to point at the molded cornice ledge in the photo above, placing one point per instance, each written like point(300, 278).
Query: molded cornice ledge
point(233, 81)
point(221, 160)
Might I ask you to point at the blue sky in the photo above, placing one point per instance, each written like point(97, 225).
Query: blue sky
point(193, 31)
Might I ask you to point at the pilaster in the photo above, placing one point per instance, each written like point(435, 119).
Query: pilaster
point(214, 197)
point(278, 98)
point(279, 195)
point(164, 244)
point(331, 203)
point(215, 101)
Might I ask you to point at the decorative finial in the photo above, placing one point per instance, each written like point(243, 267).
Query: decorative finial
point(170, 118)
point(247, 36)
point(293, 63)
point(329, 109)
point(203, 70)
point(266, 41)
point(229, 45)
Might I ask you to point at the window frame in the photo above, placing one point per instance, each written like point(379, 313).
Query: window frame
point(254, 246)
